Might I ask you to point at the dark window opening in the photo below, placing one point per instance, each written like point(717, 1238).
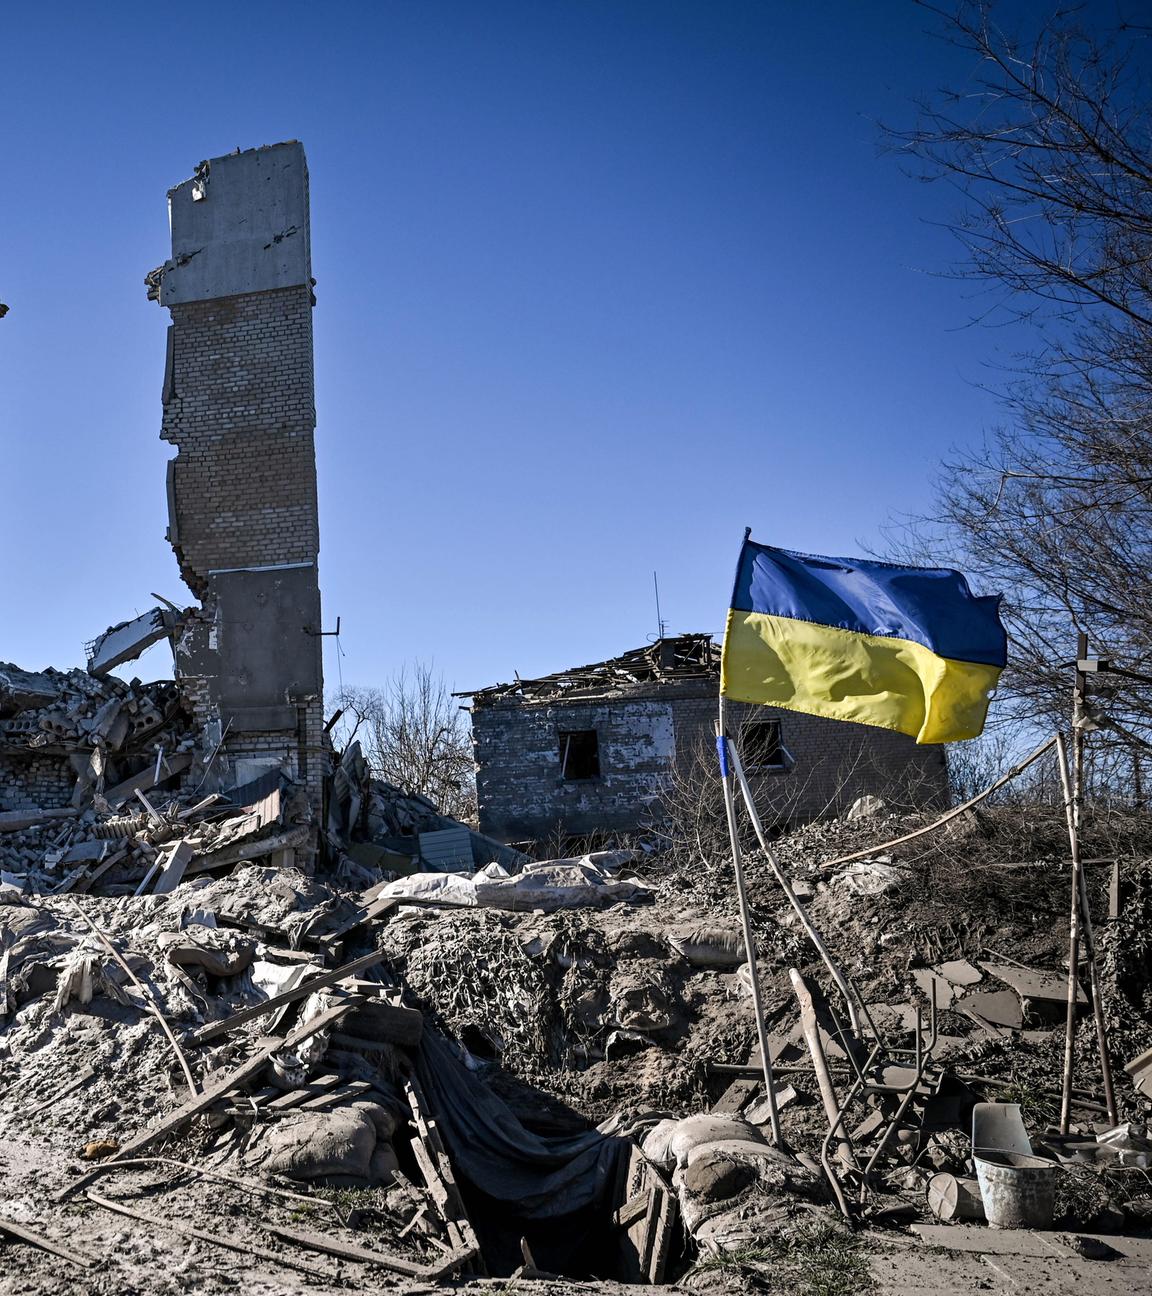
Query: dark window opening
point(580, 754)
point(761, 746)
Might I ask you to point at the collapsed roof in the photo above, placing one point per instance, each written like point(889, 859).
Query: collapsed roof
point(687, 656)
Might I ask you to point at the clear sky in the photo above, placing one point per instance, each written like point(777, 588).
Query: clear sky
point(600, 282)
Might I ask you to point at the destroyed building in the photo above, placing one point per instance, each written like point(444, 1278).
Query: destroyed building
point(239, 408)
point(593, 749)
point(242, 722)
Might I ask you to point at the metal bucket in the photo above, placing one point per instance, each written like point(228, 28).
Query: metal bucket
point(1019, 1191)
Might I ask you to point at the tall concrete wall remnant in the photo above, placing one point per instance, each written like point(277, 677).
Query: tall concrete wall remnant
point(239, 407)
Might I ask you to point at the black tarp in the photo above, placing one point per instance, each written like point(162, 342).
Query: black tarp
point(540, 1178)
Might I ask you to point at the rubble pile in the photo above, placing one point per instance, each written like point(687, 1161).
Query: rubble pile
point(383, 1072)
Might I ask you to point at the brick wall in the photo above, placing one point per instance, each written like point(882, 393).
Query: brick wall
point(239, 406)
point(522, 793)
point(36, 782)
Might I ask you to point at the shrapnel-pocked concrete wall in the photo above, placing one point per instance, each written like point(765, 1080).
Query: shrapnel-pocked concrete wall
point(239, 407)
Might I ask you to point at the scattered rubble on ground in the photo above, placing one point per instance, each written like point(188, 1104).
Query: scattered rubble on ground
point(406, 1075)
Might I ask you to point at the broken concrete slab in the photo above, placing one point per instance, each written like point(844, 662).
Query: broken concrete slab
point(998, 1007)
point(1045, 993)
point(126, 641)
point(946, 991)
point(960, 972)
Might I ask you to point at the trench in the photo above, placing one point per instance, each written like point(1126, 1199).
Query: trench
point(582, 1245)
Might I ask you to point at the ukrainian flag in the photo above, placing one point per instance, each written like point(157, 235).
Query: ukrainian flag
point(903, 648)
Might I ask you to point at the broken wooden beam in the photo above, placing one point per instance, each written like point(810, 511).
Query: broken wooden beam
point(397, 1264)
point(251, 850)
point(18, 820)
point(146, 779)
point(174, 862)
point(22, 1233)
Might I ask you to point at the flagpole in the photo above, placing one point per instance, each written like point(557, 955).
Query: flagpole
point(793, 899)
point(722, 750)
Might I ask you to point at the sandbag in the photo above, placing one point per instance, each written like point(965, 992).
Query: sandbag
point(708, 946)
point(730, 1186)
point(336, 1144)
point(655, 1143)
point(641, 1005)
point(693, 1131)
point(585, 883)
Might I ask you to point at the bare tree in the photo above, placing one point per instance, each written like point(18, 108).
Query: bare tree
point(415, 737)
point(1050, 147)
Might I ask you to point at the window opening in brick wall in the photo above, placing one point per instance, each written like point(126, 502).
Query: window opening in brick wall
point(580, 754)
point(761, 746)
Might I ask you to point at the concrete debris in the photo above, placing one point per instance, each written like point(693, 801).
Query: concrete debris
point(307, 1009)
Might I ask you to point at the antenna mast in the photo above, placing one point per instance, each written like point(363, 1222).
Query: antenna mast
point(659, 618)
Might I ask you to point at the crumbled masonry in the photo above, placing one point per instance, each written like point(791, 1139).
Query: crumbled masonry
point(418, 1027)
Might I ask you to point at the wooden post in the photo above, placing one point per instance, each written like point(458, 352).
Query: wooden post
point(1084, 925)
point(811, 1028)
point(746, 920)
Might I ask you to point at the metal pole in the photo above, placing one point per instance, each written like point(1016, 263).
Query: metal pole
point(1089, 940)
point(786, 886)
point(723, 750)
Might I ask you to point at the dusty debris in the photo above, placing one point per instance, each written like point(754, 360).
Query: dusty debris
point(511, 1024)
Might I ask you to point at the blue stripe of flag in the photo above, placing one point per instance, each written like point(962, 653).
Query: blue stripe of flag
point(932, 606)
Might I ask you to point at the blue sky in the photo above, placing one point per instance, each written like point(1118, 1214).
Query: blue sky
point(600, 282)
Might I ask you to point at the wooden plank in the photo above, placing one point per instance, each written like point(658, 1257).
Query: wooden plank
point(376, 909)
point(357, 1089)
point(735, 1098)
point(172, 868)
point(203, 1101)
point(146, 779)
point(24, 1234)
point(250, 850)
point(18, 820)
point(213, 1029)
point(243, 1246)
point(662, 1234)
point(397, 1264)
point(438, 1176)
point(632, 1185)
point(632, 1210)
point(313, 1089)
